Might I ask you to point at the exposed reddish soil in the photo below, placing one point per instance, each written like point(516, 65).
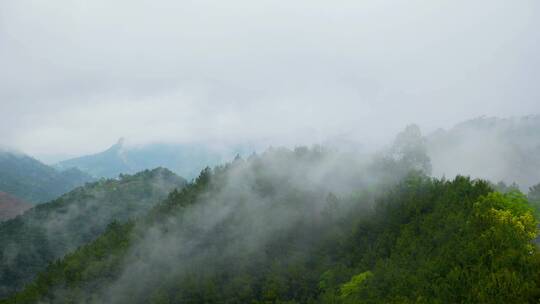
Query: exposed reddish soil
point(11, 206)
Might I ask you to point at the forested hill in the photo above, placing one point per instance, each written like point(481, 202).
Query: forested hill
point(493, 148)
point(34, 182)
point(310, 226)
point(50, 230)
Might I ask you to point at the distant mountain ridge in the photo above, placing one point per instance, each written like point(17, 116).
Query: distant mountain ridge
point(498, 149)
point(186, 160)
point(33, 181)
point(108, 163)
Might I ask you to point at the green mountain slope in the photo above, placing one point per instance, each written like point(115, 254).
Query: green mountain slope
point(309, 226)
point(50, 230)
point(33, 181)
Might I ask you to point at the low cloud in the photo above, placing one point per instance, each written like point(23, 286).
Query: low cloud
point(76, 75)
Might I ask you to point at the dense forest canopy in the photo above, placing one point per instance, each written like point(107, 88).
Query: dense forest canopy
point(311, 226)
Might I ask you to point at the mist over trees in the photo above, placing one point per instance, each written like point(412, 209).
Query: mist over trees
point(492, 148)
point(269, 152)
point(409, 148)
point(49, 231)
point(497, 149)
point(312, 226)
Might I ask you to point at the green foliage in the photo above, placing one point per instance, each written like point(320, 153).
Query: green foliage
point(99, 259)
point(420, 240)
point(354, 286)
point(49, 231)
point(35, 182)
point(477, 250)
point(409, 148)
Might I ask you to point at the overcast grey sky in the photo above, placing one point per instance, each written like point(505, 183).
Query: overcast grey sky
point(76, 75)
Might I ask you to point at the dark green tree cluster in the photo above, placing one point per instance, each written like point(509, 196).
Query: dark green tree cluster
point(458, 242)
point(264, 230)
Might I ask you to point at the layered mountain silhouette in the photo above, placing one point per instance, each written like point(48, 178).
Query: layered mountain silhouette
point(34, 182)
point(310, 226)
point(186, 160)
